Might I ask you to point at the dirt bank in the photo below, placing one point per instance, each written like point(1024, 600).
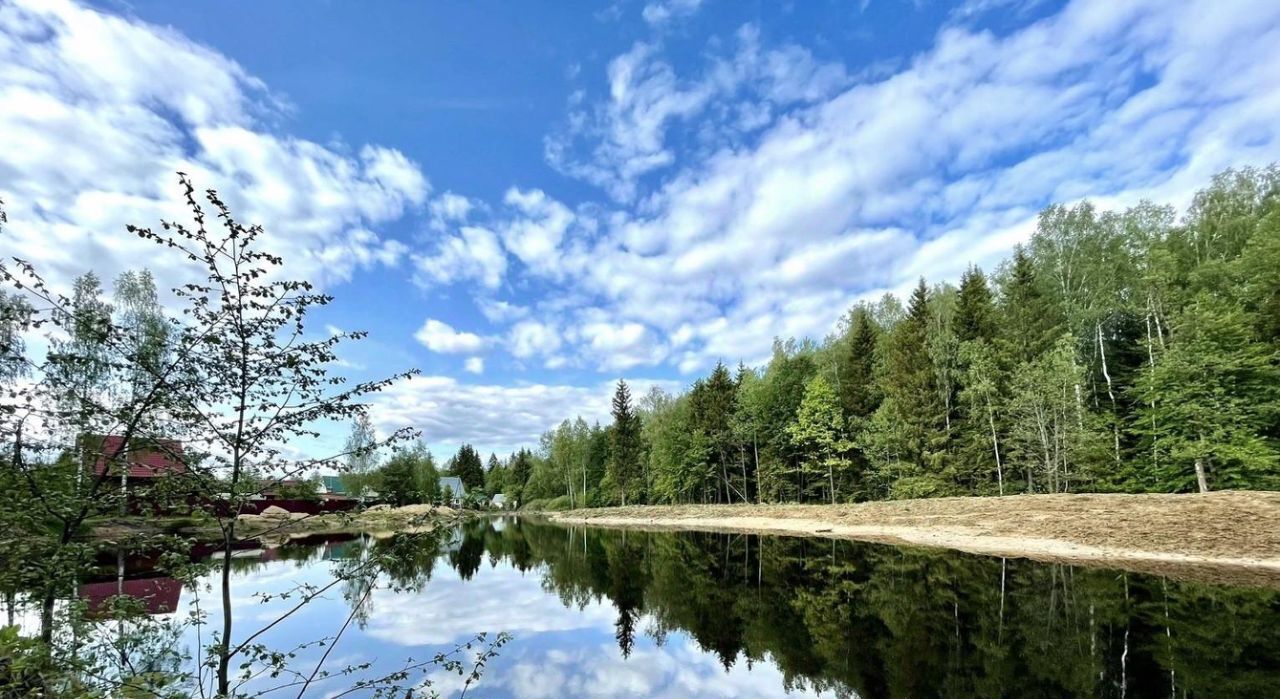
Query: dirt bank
point(277, 522)
point(1229, 537)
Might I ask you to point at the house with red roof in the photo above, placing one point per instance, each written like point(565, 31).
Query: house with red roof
point(141, 463)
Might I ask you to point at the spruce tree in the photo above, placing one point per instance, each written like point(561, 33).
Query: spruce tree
point(713, 405)
point(624, 462)
point(911, 382)
point(859, 396)
point(468, 467)
point(975, 317)
point(1030, 321)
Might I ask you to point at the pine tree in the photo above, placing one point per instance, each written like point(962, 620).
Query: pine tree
point(624, 464)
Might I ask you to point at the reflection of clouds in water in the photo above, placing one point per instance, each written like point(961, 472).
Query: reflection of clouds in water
point(451, 610)
point(675, 671)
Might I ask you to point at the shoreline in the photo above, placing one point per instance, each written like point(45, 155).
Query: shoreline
point(1200, 538)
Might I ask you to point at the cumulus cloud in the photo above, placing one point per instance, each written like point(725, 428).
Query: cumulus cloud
point(531, 338)
point(501, 311)
point(450, 208)
point(781, 203)
point(474, 254)
point(439, 336)
point(474, 365)
point(493, 417)
point(100, 111)
point(536, 233)
point(659, 13)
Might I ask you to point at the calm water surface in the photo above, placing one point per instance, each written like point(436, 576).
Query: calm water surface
point(600, 613)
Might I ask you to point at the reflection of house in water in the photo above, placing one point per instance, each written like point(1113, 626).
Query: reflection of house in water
point(154, 595)
point(343, 550)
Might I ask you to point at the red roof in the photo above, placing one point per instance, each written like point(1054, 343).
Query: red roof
point(145, 458)
point(158, 595)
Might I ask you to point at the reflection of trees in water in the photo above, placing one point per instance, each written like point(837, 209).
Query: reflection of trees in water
point(880, 621)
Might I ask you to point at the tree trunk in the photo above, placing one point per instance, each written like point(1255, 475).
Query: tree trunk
point(1115, 426)
point(224, 649)
point(995, 446)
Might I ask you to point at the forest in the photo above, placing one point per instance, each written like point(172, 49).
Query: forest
point(1115, 351)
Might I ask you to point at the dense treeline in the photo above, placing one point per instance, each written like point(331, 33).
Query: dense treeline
point(1116, 351)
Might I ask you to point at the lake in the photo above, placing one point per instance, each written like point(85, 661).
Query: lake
point(610, 613)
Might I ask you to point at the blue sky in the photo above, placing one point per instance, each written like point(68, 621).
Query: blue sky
point(529, 200)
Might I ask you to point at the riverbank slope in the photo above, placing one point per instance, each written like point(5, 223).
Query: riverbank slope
point(1228, 537)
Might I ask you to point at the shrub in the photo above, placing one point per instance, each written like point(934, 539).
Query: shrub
point(558, 504)
point(912, 487)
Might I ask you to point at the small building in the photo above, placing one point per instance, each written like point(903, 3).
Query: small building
point(451, 490)
point(144, 461)
point(332, 488)
point(499, 501)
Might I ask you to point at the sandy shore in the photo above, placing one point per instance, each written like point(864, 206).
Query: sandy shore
point(1228, 537)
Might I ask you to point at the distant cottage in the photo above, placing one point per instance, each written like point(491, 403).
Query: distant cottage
point(141, 462)
point(452, 491)
point(331, 487)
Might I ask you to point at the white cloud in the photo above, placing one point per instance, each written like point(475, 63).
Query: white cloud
point(531, 338)
point(473, 255)
point(626, 137)
point(621, 345)
point(494, 418)
point(678, 670)
point(100, 111)
point(852, 186)
point(536, 234)
point(499, 599)
point(474, 365)
point(659, 13)
point(450, 208)
point(438, 336)
point(500, 311)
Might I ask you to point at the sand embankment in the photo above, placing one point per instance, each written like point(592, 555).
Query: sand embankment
point(1230, 537)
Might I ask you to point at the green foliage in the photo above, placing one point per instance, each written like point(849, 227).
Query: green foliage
point(468, 467)
point(359, 477)
point(624, 461)
point(819, 434)
point(1210, 398)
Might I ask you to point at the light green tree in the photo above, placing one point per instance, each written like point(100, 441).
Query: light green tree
point(818, 432)
point(1210, 397)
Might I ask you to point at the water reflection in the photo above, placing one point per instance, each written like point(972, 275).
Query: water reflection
point(615, 613)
